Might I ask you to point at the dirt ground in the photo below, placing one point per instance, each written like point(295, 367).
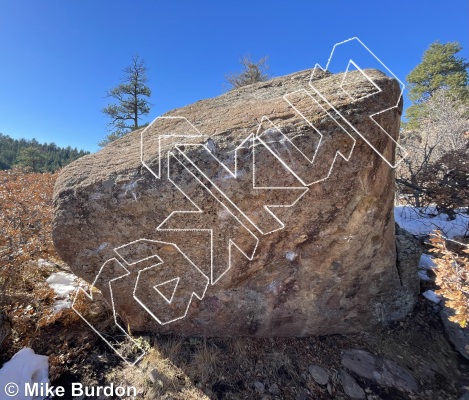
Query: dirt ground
point(242, 368)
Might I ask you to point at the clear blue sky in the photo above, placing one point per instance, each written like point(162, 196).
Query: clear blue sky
point(58, 57)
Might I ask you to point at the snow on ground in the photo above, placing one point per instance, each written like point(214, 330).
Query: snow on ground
point(426, 262)
point(25, 367)
point(432, 296)
point(42, 263)
point(423, 275)
point(63, 284)
point(421, 222)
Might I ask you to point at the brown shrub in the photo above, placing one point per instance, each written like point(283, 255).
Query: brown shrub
point(452, 276)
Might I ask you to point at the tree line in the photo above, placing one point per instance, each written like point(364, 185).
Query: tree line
point(34, 156)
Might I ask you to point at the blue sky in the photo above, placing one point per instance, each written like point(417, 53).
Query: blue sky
point(58, 57)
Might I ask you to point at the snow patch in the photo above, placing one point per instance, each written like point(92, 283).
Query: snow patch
point(24, 367)
point(422, 221)
point(64, 285)
point(426, 262)
point(103, 246)
point(62, 304)
point(424, 276)
point(42, 263)
point(432, 296)
point(291, 255)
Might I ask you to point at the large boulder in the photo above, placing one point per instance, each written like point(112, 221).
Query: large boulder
point(171, 223)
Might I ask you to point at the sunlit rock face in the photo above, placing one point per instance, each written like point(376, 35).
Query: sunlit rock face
point(173, 224)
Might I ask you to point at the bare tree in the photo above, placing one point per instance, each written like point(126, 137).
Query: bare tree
point(252, 73)
point(441, 129)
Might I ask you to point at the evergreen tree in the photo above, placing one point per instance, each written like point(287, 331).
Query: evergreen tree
point(32, 154)
point(131, 98)
point(440, 69)
point(32, 158)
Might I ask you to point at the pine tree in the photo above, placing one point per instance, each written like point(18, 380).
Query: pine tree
point(132, 101)
point(32, 158)
point(440, 69)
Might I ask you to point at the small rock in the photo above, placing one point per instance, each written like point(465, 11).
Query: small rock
point(380, 370)
point(319, 374)
point(274, 389)
point(301, 239)
point(457, 335)
point(303, 394)
point(351, 388)
point(259, 386)
point(155, 375)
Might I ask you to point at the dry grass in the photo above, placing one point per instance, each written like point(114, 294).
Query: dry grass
point(196, 368)
point(158, 375)
point(204, 362)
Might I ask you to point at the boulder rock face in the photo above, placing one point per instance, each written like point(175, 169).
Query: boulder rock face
point(267, 211)
point(408, 252)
